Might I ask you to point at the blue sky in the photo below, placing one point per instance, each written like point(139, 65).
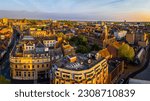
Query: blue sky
point(82, 9)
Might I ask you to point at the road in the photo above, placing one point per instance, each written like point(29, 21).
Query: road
point(4, 63)
point(132, 70)
point(143, 71)
point(144, 75)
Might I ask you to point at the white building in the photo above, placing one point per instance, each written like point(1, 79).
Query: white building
point(119, 35)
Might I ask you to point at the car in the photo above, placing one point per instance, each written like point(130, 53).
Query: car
point(121, 81)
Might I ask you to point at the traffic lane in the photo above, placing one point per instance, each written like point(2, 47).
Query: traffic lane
point(6, 71)
point(145, 74)
point(4, 63)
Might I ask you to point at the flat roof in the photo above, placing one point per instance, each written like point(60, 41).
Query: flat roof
point(28, 38)
point(80, 64)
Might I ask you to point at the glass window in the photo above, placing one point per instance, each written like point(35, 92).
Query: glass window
point(32, 74)
point(19, 73)
point(24, 74)
point(28, 74)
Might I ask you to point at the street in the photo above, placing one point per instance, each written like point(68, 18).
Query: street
point(143, 71)
point(144, 75)
point(4, 63)
point(132, 70)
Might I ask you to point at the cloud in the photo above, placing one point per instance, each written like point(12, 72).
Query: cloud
point(115, 1)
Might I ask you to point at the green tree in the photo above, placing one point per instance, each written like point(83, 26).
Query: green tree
point(130, 54)
point(81, 42)
point(60, 34)
point(3, 80)
point(127, 52)
point(83, 49)
point(95, 47)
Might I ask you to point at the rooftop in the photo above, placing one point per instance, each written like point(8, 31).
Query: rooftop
point(29, 38)
point(78, 62)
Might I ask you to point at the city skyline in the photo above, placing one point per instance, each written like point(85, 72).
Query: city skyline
point(110, 10)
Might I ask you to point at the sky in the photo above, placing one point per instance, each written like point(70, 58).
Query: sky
point(111, 10)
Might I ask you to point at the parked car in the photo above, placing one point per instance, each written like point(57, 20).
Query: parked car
point(121, 81)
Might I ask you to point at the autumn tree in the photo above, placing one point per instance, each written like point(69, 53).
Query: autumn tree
point(127, 52)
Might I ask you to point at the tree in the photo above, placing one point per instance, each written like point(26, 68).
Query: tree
point(127, 52)
point(81, 42)
point(3, 80)
point(130, 54)
point(60, 35)
point(95, 47)
point(82, 49)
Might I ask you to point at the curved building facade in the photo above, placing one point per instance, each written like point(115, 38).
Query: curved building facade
point(88, 71)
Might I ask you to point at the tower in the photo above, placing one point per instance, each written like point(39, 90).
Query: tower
point(105, 32)
point(105, 35)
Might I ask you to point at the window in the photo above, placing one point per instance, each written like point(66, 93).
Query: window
point(19, 74)
point(28, 74)
point(67, 76)
point(28, 66)
point(76, 77)
point(24, 66)
point(32, 66)
point(57, 74)
point(24, 74)
point(16, 66)
point(37, 66)
point(32, 74)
